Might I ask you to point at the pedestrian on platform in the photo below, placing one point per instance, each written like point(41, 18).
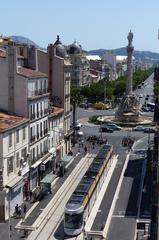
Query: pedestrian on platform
point(16, 209)
point(19, 211)
point(85, 149)
point(24, 208)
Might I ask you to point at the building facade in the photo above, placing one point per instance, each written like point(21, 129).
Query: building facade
point(80, 65)
point(14, 162)
point(58, 68)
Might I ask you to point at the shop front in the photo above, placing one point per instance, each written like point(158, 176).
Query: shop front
point(14, 195)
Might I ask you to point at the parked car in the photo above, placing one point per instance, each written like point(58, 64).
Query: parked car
point(105, 129)
point(139, 128)
point(112, 126)
point(149, 130)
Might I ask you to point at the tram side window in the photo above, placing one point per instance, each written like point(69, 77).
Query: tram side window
point(73, 221)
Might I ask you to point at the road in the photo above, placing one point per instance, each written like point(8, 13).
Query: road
point(125, 214)
point(147, 88)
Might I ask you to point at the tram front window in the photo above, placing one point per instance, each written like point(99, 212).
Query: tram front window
point(74, 221)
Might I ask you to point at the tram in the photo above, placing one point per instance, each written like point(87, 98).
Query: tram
point(82, 200)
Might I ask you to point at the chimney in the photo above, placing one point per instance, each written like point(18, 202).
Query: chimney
point(32, 58)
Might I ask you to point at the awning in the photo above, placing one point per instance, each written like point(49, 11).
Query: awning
point(12, 183)
point(49, 178)
point(36, 164)
point(66, 159)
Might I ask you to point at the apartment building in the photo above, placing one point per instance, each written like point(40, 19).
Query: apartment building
point(56, 137)
point(56, 64)
point(14, 162)
point(24, 92)
point(80, 65)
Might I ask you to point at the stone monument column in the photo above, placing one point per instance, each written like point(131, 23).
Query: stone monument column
point(128, 110)
point(130, 50)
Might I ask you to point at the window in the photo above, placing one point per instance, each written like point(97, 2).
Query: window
point(17, 136)
point(24, 133)
point(10, 165)
point(17, 160)
point(10, 139)
point(24, 152)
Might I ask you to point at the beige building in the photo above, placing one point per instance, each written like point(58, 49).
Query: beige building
point(55, 62)
point(56, 137)
point(24, 92)
point(14, 162)
point(80, 65)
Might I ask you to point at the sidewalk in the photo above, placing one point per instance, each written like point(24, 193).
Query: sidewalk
point(34, 209)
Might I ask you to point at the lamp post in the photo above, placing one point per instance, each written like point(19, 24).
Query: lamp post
point(9, 218)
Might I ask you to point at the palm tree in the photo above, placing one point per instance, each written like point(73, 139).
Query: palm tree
point(76, 99)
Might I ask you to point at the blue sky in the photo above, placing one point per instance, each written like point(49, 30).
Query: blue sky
point(94, 23)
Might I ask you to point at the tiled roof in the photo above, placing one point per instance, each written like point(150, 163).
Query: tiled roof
point(29, 73)
point(10, 121)
point(56, 110)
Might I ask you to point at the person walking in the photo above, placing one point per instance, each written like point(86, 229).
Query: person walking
point(16, 209)
point(85, 149)
point(19, 211)
point(24, 208)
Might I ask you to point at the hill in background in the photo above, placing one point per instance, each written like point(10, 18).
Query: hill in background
point(142, 55)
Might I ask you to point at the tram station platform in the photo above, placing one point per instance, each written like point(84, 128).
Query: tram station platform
point(100, 215)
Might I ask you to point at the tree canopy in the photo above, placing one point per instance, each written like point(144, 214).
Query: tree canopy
point(110, 89)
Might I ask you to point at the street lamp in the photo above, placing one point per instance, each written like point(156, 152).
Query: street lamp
point(9, 219)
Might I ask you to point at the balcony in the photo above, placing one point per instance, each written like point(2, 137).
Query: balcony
point(32, 117)
point(37, 93)
point(32, 139)
point(45, 131)
point(46, 111)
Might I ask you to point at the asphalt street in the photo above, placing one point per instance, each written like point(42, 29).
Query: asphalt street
point(104, 208)
point(123, 222)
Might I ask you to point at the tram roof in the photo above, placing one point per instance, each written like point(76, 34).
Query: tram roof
point(84, 187)
point(76, 198)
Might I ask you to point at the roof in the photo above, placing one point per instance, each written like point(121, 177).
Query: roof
point(3, 54)
point(123, 58)
point(8, 121)
point(56, 111)
point(93, 57)
point(29, 73)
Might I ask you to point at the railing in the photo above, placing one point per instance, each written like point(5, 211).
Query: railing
point(32, 139)
point(45, 131)
point(37, 92)
point(32, 117)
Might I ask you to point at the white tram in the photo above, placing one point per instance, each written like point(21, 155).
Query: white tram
point(81, 202)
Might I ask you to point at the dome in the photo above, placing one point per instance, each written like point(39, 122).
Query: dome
point(75, 48)
point(60, 49)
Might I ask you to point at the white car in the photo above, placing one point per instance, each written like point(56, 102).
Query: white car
point(112, 126)
point(139, 128)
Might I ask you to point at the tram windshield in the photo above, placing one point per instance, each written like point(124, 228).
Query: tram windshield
point(74, 221)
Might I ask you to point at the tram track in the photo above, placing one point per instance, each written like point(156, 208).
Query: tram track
point(53, 214)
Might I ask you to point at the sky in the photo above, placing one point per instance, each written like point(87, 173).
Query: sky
point(94, 24)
